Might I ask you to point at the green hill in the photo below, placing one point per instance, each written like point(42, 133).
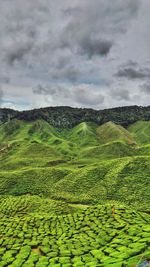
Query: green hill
point(84, 134)
point(109, 132)
point(75, 196)
point(141, 132)
point(111, 150)
point(73, 164)
point(39, 144)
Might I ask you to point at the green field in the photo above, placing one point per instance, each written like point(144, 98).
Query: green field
point(74, 197)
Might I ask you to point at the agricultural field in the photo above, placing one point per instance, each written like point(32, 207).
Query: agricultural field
point(103, 235)
point(75, 196)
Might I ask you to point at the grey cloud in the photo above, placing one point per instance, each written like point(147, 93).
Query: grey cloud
point(82, 94)
point(62, 45)
point(1, 96)
point(131, 63)
point(95, 28)
point(122, 94)
point(68, 72)
point(85, 97)
point(93, 47)
point(17, 54)
point(133, 73)
point(71, 11)
point(36, 31)
point(53, 90)
point(146, 87)
point(40, 90)
point(67, 68)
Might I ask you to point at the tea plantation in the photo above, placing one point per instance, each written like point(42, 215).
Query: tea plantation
point(103, 235)
point(74, 197)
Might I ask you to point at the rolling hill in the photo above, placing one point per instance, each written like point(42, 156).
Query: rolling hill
point(76, 195)
point(85, 164)
point(110, 132)
point(141, 132)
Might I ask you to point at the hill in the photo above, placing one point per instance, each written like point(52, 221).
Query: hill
point(67, 117)
point(84, 134)
point(109, 132)
point(37, 144)
point(75, 195)
point(141, 132)
point(85, 164)
point(6, 114)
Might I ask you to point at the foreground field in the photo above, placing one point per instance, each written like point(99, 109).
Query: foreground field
point(104, 235)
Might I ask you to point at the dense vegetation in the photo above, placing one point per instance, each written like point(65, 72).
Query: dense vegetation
point(108, 235)
point(76, 195)
point(62, 117)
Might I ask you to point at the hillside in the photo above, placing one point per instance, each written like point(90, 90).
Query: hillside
point(85, 164)
point(109, 132)
point(141, 132)
point(74, 196)
point(37, 144)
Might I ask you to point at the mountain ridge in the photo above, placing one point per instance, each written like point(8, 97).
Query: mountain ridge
point(68, 117)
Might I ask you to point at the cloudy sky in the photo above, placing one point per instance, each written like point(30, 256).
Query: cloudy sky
point(80, 53)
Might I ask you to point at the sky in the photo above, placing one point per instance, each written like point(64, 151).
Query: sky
point(79, 53)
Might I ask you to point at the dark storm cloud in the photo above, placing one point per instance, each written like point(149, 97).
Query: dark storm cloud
point(93, 47)
point(133, 72)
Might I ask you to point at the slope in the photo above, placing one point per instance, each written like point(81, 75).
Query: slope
point(126, 180)
point(28, 144)
point(111, 150)
point(110, 131)
point(84, 134)
point(37, 143)
point(141, 132)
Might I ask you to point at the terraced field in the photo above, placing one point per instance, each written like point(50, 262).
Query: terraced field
point(74, 197)
point(107, 235)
